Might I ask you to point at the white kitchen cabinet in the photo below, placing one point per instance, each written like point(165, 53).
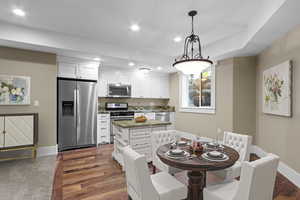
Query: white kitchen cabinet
point(160, 87)
point(67, 70)
point(87, 72)
point(102, 88)
point(138, 138)
point(164, 89)
point(78, 71)
point(103, 128)
point(152, 85)
point(141, 87)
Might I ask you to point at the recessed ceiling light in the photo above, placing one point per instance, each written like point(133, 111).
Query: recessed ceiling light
point(135, 27)
point(131, 64)
point(96, 59)
point(19, 12)
point(159, 68)
point(177, 39)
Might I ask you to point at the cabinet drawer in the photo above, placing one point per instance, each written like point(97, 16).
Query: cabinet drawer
point(103, 117)
point(140, 130)
point(103, 125)
point(139, 134)
point(159, 128)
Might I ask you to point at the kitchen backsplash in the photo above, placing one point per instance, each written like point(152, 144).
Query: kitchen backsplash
point(136, 103)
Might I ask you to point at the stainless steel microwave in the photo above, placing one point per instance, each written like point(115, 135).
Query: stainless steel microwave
point(119, 90)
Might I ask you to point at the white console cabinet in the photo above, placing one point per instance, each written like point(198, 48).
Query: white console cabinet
point(18, 132)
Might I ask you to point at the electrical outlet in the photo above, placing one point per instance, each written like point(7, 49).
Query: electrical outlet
point(36, 103)
point(219, 131)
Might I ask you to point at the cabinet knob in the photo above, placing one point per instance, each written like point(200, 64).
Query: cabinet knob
point(4, 132)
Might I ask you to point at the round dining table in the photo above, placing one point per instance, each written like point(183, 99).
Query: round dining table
point(197, 166)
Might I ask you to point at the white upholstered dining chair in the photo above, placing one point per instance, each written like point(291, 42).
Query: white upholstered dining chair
point(241, 143)
point(143, 186)
point(160, 138)
point(256, 182)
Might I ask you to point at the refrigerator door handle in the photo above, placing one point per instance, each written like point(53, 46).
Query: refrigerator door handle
point(78, 115)
point(75, 108)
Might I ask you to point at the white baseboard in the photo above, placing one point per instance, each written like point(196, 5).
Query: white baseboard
point(283, 168)
point(47, 151)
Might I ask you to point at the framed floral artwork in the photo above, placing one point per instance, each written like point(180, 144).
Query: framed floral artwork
point(14, 90)
point(277, 90)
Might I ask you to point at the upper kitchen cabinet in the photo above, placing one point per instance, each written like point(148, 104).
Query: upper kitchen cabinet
point(67, 70)
point(89, 72)
point(78, 71)
point(159, 87)
point(77, 68)
point(152, 85)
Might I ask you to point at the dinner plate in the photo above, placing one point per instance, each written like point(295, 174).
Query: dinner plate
point(176, 152)
point(182, 143)
point(215, 154)
point(180, 156)
point(207, 157)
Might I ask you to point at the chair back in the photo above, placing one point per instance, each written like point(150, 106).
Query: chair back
point(139, 184)
point(160, 138)
point(258, 179)
point(241, 143)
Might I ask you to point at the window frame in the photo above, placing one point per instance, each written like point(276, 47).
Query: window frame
point(183, 95)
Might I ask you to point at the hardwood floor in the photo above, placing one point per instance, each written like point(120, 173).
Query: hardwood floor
point(91, 174)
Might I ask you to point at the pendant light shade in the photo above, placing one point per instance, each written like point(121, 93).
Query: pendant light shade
point(192, 62)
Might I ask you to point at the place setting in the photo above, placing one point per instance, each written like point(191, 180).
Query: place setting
point(210, 151)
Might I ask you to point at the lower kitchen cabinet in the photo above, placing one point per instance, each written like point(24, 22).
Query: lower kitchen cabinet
point(138, 138)
point(103, 128)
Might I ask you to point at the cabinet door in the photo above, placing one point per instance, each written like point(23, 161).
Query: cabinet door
point(87, 72)
point(159, 87)
point(66, 70)
point(1, 132)
point(19, 131)
point(165, 92)
point(102, 84)
point(142, 87)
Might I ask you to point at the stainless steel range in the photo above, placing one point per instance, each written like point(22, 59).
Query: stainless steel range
point(118, 112)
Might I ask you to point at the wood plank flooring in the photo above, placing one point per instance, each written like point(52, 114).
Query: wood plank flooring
point(92, 174)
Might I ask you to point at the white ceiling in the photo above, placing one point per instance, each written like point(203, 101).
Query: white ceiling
point(98, 28)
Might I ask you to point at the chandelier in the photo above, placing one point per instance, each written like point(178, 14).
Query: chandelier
point(192, 62)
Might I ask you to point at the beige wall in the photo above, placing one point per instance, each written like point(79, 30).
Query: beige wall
point(42, 69)
point(207, 124)
point(281, 135)
point(244, 101)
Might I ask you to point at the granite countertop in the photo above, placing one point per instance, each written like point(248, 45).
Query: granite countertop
point(133, 124)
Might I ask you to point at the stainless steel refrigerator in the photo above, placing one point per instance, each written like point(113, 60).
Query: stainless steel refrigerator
point(77, 114)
